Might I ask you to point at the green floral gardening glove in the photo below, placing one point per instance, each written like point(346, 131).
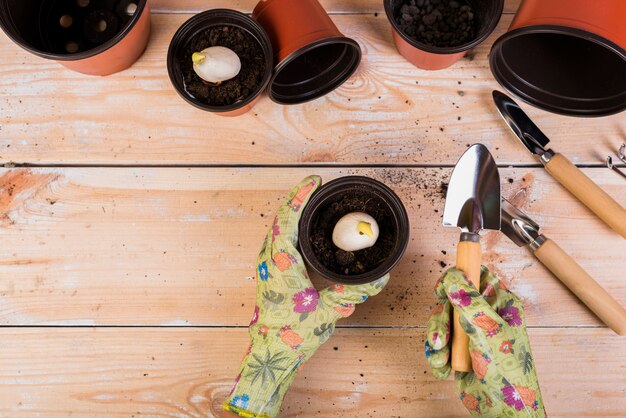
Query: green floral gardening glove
point(291, 319)
point(503, 383)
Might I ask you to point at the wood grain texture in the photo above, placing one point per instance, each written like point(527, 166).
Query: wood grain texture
point(389, 112)
point(85, 248)
point(178, 246)
point(188, 373)
point(332, 6)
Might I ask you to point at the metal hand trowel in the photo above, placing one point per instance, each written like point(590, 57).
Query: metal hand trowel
point(523, 231)
point(472, 204)
point(566, 173)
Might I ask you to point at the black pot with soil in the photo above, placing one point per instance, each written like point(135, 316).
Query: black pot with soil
point(333, 201)
point(229, 29)
point(434, 34)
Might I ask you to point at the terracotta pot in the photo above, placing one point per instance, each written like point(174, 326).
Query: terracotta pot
point(95, 37)
point(199, 23)
point(427, 57)
point(312, 57)
point(566, 56)
point(335, 191)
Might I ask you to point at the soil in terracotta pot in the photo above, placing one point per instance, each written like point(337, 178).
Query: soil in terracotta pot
point(236, 89)
point(439, 23)
point(357, 262)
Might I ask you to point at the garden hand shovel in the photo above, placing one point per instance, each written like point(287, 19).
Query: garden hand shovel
point(472, 204)
point(566, 173)
point(523, 231)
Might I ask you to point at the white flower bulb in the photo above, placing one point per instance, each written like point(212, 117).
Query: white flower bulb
point(355, 231)
point(216, 64)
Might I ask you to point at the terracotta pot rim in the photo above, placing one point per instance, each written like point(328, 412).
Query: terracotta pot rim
point(330, 189)
point(178, 42)
point(328, 87)
point(444, 50)
point(141, 6)
point(495, 63)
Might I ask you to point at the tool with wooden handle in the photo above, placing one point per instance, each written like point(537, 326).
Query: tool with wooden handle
point(525, 232)
point(468, 258)
point(472, 204)
point(566, 173)
point(587, 192)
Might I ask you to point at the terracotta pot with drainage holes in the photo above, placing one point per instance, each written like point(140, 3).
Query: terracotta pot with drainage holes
point(95, 37)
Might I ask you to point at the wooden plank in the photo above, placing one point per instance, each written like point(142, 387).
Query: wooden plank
point(188, 373)
point(49, 115)
point(332, 6)
point(164, 246)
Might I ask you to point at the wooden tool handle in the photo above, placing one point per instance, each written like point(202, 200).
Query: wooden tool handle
point(468, 259)
point(588, 193)
point(583, 286)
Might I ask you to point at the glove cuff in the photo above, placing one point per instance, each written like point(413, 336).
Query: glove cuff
point(265, 375)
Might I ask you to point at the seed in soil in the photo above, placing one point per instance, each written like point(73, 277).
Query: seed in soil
point(438, 23)
point(352, 262)
point(236, 89)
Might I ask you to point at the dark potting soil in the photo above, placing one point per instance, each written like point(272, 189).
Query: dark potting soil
point(439, 23)
point(231, 91)
point(357, 262)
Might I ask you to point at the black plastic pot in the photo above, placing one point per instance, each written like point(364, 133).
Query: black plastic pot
point(562, 70)
point(334, 191)
point(96, 37)
point(488, 13)
point(312, 56)
point(565, 56)
point(198, 24)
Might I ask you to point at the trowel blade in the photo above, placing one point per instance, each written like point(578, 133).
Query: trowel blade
point(473, 200)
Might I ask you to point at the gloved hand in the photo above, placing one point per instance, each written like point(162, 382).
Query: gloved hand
point(503, 383)
point(291, 319)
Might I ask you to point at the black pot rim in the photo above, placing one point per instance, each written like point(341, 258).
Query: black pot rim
point(448, 50)
point(178, 42)
point(338, 80)
point(141, 6)
point(397, 209)
point(497, 64)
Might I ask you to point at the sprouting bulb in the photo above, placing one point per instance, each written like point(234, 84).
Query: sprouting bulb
point(216, 64)
point(355, 231)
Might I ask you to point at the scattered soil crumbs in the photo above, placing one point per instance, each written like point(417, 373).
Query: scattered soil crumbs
point(231, 91)
point(439, 23)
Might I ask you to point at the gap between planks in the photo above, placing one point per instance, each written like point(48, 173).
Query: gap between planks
point(381, 115)
point(190, 372)
point(286, 166)
point(182, 244)
point(225, 327)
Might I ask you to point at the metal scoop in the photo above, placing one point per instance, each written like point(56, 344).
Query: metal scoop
point(472, 204)
point(566, 173)
point(523, 231)
point(621, 154)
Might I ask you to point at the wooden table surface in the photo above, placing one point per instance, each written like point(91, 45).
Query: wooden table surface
point(131, 223)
